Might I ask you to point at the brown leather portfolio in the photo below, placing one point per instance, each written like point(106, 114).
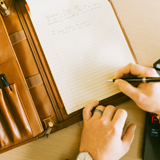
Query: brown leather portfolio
point(31, 107)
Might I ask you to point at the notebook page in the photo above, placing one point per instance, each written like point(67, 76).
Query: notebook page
point(84, 46)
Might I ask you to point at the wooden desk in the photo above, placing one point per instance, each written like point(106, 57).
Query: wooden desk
point(141, 20)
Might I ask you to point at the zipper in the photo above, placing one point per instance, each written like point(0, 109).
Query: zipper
point(3, 5)
point(50, 124)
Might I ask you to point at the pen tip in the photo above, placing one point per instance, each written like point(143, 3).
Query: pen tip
point(110, 80)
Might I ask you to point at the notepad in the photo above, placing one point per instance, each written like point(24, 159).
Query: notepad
point(84, 46)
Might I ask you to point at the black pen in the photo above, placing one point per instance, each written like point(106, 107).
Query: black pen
point(144, 79)
point(5, 81)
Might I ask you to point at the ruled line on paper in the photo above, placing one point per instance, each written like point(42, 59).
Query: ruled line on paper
point(84, 46)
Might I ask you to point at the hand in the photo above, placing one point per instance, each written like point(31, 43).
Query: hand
point(146, 95)
point(101, 135)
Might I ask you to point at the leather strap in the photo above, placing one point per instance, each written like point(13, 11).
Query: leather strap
point(17, 37)
point(34, 81)
point(68, 122)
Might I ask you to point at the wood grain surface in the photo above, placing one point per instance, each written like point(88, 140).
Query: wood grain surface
point(141, 21)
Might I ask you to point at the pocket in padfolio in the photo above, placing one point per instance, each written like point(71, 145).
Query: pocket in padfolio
point(14, 125)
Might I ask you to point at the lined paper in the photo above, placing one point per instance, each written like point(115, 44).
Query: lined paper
point(84, 46)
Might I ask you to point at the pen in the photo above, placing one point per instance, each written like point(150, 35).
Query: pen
point(144, 79)
point(5, 81)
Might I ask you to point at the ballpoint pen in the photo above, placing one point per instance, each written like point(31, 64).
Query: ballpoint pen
point(5, 81)
point(143, 79)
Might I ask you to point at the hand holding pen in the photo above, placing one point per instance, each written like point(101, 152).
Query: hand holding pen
point(146, 95)
point(139, 80)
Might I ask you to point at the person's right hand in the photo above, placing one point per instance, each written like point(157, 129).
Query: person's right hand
point(146, 95)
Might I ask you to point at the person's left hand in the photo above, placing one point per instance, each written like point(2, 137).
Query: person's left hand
point(102, 133)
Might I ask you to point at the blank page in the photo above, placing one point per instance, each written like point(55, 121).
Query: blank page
point(84, 46)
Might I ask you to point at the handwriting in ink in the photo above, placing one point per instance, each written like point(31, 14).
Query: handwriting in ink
point(71, 28)
point(67, 14)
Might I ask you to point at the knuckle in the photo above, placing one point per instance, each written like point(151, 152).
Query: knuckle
point(154, 72)
point(100, 107)
point(131, 65)
point(102, 122)
point(110, 106)
point(114, 128)
point(151, 72)
point(122, 112)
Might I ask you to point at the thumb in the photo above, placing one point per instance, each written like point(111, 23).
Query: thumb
point(128, 136)
point(128, 89)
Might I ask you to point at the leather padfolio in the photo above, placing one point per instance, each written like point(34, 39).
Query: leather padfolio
point(33, 108)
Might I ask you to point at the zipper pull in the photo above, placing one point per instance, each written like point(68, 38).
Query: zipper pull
point(3, 5)
point(50, 124)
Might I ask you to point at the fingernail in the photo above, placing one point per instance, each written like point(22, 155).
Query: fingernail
point(118, 82)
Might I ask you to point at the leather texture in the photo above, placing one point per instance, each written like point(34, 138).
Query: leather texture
point(34, 81)
point(19, 119)
point(35, 100)
point(17, 37)
point(14, 121)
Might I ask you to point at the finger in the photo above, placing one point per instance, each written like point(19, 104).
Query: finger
point(109, 113)
point(120, 118)
point(97, 114)
point(128, 136)
point(87, 114)
point(131, 91)
point(137, 70)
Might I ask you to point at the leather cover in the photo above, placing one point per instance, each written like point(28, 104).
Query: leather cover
point(28, 108)
point(19, 119)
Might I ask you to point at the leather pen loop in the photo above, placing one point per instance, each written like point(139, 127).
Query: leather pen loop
point(5, 81)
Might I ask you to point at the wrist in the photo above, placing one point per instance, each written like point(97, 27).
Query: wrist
point(94, 155)
point(84, 156)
